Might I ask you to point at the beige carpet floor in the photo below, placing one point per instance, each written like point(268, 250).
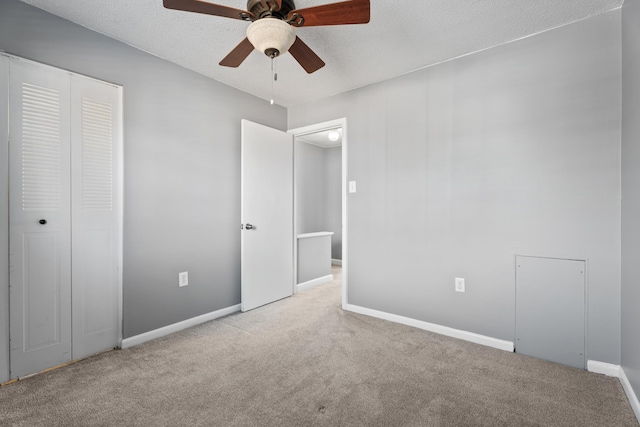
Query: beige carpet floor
point(303, 361)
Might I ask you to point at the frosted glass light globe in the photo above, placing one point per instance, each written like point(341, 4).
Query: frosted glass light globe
point(271, 34)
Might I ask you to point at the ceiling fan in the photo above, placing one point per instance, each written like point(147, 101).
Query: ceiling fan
point(272, 25)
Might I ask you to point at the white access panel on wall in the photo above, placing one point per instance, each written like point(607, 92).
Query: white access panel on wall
point(550, 309)
point(95, 150)
point(39, 209)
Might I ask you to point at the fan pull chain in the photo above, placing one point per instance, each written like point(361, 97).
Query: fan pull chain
point(275, 77)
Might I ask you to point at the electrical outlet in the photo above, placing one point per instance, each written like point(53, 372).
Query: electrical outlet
point(183, 279)
point(460, 285)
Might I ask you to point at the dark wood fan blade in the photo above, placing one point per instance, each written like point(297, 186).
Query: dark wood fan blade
point(238, 54)
point(346, 12)
point(305, 56)
point(199, 6)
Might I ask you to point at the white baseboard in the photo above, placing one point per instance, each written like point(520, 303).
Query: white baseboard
point(618, 372)
point(603, 368)
point(631, 395)
point(170, 329)
point(315, 282)
point(432, 327)
point(336, 261)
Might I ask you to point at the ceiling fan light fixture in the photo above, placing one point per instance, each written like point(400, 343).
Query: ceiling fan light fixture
point(271, 36)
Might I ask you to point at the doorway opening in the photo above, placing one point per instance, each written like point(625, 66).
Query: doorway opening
point(318, 222)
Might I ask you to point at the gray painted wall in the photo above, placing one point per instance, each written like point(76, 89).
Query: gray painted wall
point(310, 187)
point(462, 165)
point(333, 198)
point(181, 166)
point(631, 191)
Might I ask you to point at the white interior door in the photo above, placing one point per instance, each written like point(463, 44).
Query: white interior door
point(95, 145)
point(267, 215)
point(39, 240)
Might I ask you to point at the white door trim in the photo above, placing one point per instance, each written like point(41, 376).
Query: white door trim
point(319, 127)
point(120, 203)
point(4, 219)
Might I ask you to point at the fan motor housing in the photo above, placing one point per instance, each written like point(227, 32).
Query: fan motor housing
point(258, 9)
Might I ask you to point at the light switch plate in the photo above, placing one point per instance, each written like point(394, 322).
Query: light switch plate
point(352, 186)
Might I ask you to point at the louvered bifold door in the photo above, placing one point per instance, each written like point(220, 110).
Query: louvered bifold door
point(39, 237)
point(95, 116)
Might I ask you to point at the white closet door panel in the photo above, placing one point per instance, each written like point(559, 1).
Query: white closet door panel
point(95, 208)
point(4, 219)
point(39, 206)
point(42, 324)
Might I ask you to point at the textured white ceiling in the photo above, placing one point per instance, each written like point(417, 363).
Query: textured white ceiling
point(402, 36)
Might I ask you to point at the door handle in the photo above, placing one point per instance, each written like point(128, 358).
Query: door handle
point(43, 221)
point(249, 227)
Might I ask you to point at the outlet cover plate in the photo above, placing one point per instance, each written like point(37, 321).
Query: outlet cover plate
point(183, 279)
point(460, 284)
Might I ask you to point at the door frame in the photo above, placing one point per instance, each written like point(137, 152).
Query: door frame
point(120, 213)
point(4, 226)
point(306, 130)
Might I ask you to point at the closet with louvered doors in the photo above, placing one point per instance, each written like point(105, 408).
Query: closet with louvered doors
point(64, 216)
